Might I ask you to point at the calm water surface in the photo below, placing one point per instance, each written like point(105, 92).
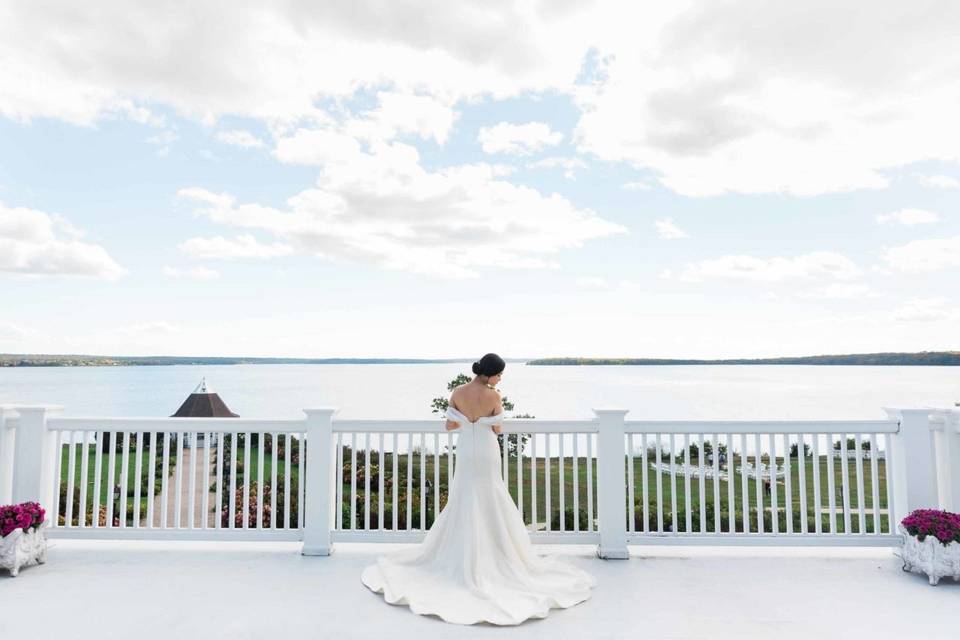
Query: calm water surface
point(405, 390)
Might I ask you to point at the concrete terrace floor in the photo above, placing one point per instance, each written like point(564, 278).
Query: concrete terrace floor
point(182, 590)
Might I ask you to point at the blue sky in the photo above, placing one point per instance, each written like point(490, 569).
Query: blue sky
point(458, 178)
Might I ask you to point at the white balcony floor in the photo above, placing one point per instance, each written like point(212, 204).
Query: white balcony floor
point(184, 590)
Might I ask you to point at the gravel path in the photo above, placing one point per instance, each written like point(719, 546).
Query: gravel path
point(202, 485)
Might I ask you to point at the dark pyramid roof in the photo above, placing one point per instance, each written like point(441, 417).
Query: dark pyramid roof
point(203, 403)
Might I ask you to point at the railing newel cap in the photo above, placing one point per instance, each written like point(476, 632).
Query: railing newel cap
point(898, 411)
point(609, 411)
point(935, 415)
point(322, 410)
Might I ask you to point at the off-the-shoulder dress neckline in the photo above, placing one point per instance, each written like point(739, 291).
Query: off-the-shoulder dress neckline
point(481, 418)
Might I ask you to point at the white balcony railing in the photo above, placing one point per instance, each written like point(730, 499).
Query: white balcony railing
point(605, 480)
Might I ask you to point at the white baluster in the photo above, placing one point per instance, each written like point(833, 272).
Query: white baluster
point(151, 480)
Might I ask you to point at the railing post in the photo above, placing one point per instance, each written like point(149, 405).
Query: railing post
point(947, 451)
point(914, 464)
point(33, 458)
point(6, 456)
point(318, 491)
point(611, 484)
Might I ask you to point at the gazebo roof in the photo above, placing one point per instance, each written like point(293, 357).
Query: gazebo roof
point(204, 403)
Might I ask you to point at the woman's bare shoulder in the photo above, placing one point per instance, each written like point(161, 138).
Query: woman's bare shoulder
point(459, 392)
point(495, 400)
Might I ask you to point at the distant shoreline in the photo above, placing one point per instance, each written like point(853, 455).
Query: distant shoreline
point(920, 359)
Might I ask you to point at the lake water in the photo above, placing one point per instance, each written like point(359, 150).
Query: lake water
point(405, 390)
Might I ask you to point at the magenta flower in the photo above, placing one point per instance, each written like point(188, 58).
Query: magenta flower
point(942, 525)
point(25, 515)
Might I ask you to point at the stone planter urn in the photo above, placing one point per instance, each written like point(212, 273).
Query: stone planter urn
point(930, 557)
point(22, 548)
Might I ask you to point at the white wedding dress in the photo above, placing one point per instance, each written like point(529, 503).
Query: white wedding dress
point(476, 563)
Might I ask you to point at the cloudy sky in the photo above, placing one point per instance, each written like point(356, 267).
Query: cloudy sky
point(441, 179)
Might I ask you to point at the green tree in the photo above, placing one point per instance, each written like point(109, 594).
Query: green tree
point(851, 444)
point(793, 450)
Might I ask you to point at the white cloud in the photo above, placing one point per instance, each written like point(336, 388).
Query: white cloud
point(36, 243)
point(753, 96)
point(164, 141)
point(940, 182)
point(317, 146)
point(600, 283)
point(637, 185)
point(909, 217)
point(823, 265)
point(518, 139)
point(667, 230)
point(239, 248)
point(839, 291)
point(383, 208)
point(13, 331)
point(192, 273)
point(420, 115)
point(568, 164)
point(151, 327)
point(926, 309)
point(927, 255)
point(592, 282)
point(240, 138)
point(274, 61)
point(705, 94)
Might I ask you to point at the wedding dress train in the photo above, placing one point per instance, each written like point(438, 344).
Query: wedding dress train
point(476, 563)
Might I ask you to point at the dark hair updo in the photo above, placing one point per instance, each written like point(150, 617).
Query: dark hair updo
point(489, 365)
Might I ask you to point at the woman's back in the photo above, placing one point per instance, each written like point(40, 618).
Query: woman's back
point(475, 401)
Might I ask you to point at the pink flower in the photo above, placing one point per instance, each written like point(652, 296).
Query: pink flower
point(24, 516)
point(942, 525)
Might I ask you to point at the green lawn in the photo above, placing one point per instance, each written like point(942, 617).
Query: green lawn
point(105, 486)
point(795, 501)
point(666, 491)
point(254, 466)
point(107, 491)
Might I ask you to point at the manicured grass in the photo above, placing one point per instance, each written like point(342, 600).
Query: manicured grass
point(673, 493)
point(254, 466)
point(106, 489)
point(668, 496)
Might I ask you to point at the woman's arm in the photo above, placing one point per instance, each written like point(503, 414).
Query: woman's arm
point(452, 424)
point(498, 429)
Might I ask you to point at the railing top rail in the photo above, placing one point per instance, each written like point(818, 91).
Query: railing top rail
point(509, 425)
point(436, 425)
point(762, 426)
point(374, 425)
point(177, 425)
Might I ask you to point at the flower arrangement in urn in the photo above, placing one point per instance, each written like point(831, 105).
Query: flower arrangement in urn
point(931, 543)
point(23, 540)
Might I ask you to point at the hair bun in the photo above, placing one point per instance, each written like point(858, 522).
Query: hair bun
point(489, 365)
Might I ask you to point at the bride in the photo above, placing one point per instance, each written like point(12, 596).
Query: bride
point(476, 563)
